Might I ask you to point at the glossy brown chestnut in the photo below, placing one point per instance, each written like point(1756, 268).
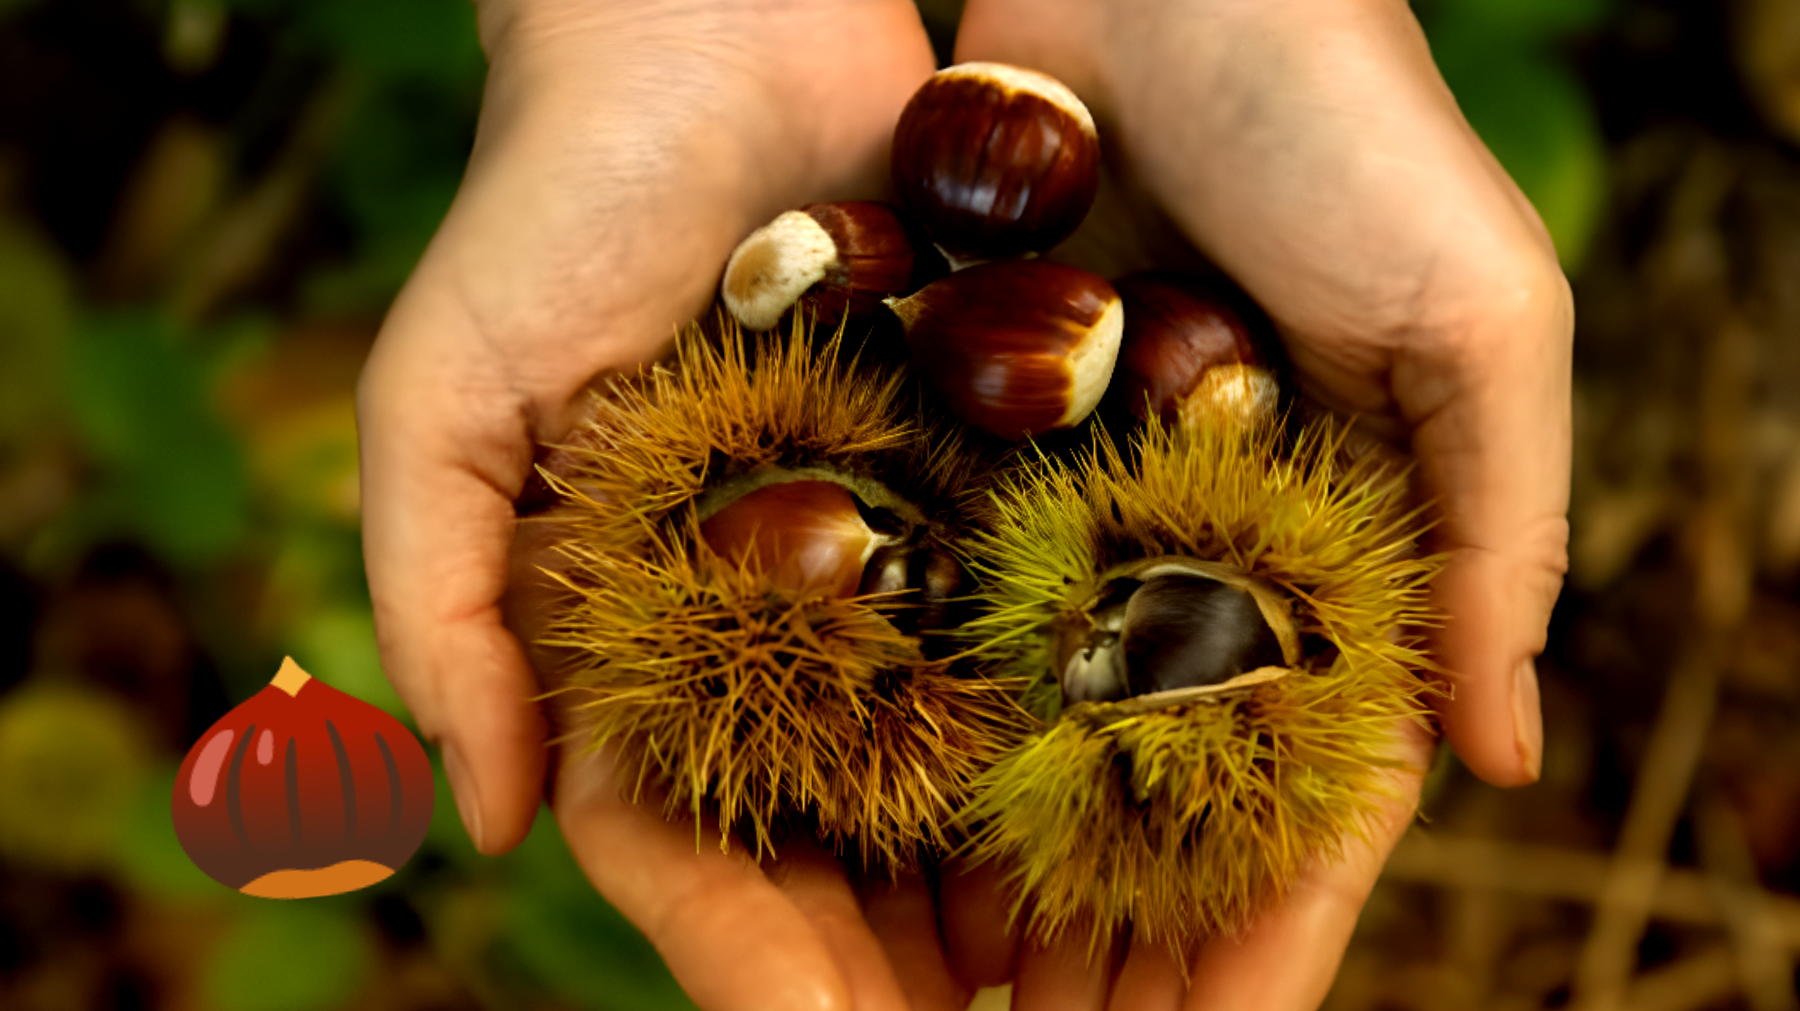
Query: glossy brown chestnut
point(843, 258)
point(809, 536)
point(996, 160)
point(1187, 352)
point(1015, 347)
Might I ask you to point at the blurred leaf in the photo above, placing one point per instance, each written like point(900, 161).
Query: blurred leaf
point(293, 406)
point(308, 461)
point(1504, 22)
point(430, 39)
point(150, 856)
point(172, 474)
point(566, 935)
point(424, 38)
point(70, 762)
point(337, 643)
point(370, 279)
point(1540, 123)
point(288, 956)
point(36, 306)
point(394, 175)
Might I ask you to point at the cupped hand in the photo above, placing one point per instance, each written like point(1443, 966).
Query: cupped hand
point(623, 149)
point(1311, 150)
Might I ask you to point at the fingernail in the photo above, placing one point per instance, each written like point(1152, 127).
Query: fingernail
point(462, 787)
point(1528, 718)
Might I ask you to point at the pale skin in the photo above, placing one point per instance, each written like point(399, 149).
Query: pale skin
point(1308, 147)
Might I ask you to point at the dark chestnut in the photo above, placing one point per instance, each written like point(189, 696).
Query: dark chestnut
point(1169, 631)
point(1188, 351)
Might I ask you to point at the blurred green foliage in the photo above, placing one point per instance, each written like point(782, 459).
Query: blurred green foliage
point(1507, 63)
point(289, 956)
point(150, 857)
point(37, 305)
point(172, 474)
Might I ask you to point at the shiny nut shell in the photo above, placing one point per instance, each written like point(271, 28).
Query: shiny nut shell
point(808, 536)
point(1016, 347)
point(1188, 350)
point(996, 160)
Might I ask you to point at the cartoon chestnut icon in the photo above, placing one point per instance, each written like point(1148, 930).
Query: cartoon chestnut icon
point(303, 791)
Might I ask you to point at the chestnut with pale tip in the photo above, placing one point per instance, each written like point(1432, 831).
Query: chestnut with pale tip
point(842, 258)
point(1187, 352)
point(1015, 347)
point(996, 160)
point(807, 536)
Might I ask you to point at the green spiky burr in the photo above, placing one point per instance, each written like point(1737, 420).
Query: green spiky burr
point(1181, 812)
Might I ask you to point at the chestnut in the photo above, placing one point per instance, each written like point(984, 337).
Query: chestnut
point(1168, 631)
point(1015, 347)
point(302, 791)
point(842, 257)
point(995, 160)
point(807, 535)
point(1188, 351)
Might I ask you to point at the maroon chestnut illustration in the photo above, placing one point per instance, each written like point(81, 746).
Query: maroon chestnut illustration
point(303, 791)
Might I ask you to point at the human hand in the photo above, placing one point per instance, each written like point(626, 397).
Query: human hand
point(1311, 150)
point(623, 149)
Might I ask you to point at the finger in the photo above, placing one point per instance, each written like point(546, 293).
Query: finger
point(437, 487)
point(980, 935)
point(1150, 980)
point(1069, 973)
point(819, 887)
point(1496, 454)
point(1290, 954)
point(731, 938)
point(904, 918)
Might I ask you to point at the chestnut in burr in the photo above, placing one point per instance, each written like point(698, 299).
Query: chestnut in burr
point(808, 535)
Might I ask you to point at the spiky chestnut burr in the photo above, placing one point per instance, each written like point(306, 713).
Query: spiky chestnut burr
point(1188, 351)
point(842, 257)
point(774, 699)
point(996, 160)
point(1015, 347)
point(1180, 810)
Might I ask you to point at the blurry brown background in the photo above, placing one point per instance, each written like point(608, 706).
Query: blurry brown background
point(205, 206)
